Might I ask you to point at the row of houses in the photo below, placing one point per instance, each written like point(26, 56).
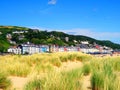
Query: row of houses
point(32, 49)
point(28, 49)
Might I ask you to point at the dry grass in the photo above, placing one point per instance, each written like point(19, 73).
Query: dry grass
point(39, 68)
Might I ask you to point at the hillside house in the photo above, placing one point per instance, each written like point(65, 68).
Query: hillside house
point(19, 32)
point(9, 36)
point(66, 39)
point(75, 41)
point(36, 30)
point(12, 42)
point(84, 42)
point(21, 37)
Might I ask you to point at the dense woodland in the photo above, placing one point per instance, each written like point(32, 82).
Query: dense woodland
point(45, 37)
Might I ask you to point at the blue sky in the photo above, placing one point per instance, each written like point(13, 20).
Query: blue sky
point(99, 19)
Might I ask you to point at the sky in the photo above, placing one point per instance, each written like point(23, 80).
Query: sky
point(99, 19)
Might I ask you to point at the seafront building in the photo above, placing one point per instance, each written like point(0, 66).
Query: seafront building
point(83, 47)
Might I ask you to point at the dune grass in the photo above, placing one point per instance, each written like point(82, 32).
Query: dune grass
point(40, 68)
point(18, 65)
point(70, 80)
point(86, 69)
point(5, 83)
point(104, 76)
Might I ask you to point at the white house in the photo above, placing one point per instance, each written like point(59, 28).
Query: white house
point(66, 39)
point(84, 42)
point(31, 48)
point(14, 50)
point(8, 36)
point(19, 32)
point(0, 32)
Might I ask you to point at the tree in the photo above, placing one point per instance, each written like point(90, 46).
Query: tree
point(35, 41)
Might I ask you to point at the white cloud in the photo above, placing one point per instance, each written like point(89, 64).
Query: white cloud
point(52, 2)
point(112, 36)
point(94, 34)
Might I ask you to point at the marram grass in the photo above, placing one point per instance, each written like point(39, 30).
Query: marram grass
point(70, 80)
point(104, 76)
point(5, 83)
point(18, 65)
point(104, 71)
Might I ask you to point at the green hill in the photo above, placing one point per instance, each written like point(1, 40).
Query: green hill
point(44, 37)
